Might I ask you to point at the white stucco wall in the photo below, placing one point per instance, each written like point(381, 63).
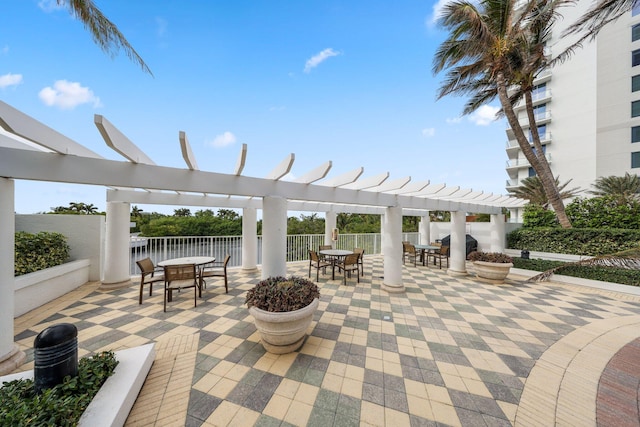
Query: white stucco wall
point(481, 231)
point(85, 235)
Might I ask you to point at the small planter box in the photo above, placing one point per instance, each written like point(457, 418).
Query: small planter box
point(35, 289)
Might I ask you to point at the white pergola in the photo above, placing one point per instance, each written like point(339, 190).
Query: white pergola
point(30, 150)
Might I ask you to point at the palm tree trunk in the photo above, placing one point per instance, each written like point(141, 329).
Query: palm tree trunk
point(538, 162)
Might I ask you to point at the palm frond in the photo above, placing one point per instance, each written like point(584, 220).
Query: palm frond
point(628, 259)
point(104, 32)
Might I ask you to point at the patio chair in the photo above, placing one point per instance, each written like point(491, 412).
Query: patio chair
point(411, 253)
point(149, 274)
point(178, 277)
point(316, 262)
point(324, 248)
point(443, 253)
point(405, 243)
point(216, 269)
point(360, 252)
point(349, 264)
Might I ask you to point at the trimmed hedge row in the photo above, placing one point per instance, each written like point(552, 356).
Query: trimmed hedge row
point(605, 274)
point(38, 251)
point(577, 241)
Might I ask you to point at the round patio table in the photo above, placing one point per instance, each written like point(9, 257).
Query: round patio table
point(423, 251)
point(335, 255)
point(198, 261)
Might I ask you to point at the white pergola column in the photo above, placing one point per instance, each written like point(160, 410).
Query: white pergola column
point(424, 228)
point(249, 239)
point(330, 222)
point(458, 248)
point(11, 357)
point(497, 234)
point(274, 236)
point(392, 250)
point(117, 248)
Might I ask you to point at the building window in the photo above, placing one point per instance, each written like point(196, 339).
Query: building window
point(532, 172)
point(636, 9)
point(542, 132)
point(635, 159)
point(539, 91)
point(635, 109)
point(635, 134)
point(635, 83)
point(635, 32)
point(635, 57)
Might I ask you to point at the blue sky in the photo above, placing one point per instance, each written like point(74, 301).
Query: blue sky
point(348, 81)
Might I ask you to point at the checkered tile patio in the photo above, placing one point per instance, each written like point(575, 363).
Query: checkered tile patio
point(448, 351)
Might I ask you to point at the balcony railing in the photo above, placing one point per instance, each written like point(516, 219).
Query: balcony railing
point(545, 138)
point(523, 162)
point(298, 245)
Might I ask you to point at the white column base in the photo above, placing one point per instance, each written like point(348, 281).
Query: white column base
point(12, 360)
point(393, 289)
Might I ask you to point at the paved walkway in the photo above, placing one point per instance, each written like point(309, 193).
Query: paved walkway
point(448, 351)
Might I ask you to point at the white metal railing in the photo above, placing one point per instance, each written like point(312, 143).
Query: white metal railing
point(545, 138)
point(298, 245)
point(520, 163)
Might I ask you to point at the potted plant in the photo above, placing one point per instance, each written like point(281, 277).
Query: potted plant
point(491, 266)
point(282, 308)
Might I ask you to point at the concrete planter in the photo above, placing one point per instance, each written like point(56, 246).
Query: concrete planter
point(35, 289)
point(494, 272)
point(283, 332)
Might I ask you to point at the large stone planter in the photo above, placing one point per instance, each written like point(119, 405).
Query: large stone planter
point(494, 272)
point(283, 332)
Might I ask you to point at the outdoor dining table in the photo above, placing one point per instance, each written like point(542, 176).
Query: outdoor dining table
point(424, 249)
point(198, 261)
point(335, 255)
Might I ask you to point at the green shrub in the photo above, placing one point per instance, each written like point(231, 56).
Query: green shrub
point(573, 240)
point(61, 405)
point(38, 251)
point(605, 274)
point(537, 216)
point(604, 212)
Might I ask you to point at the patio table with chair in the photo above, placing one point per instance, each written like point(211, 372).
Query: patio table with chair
point(184, 272)
point(335, 256)
point(425, 250)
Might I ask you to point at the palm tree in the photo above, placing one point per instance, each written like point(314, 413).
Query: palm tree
point(589, 25)
point(494, 50)
point(103, 32)
point(622, 188)
point(531, 189)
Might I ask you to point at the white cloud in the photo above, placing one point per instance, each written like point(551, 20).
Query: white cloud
point(317, 59)
point(49, 5)
point(223, 140)
point(484, 115)
point(428, 132)
point(68, 95)
point(454, 120)
point(10, 80)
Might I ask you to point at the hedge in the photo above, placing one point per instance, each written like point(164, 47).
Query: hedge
point(38, 251)
point(577, 241)
point(605, 274)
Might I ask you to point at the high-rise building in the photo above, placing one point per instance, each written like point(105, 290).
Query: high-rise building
point(587, 108)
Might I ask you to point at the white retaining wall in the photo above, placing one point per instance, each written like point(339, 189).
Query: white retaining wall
point(85, 235)
point(481, 231)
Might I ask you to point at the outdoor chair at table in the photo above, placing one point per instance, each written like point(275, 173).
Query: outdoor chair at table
point(323, 248)
point(150, 274)
point(360, 252)
point(216, 269)
point(177, 277)
point(441, 254)
point(316, 262)
point(411, 254)
point(348, 265)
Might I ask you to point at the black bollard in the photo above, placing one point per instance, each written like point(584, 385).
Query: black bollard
point(524, 254)
point(55, 356)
